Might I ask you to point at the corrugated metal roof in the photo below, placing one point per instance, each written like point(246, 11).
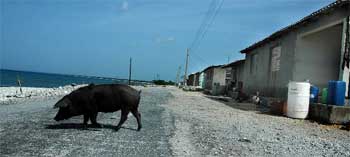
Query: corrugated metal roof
point(301, 22)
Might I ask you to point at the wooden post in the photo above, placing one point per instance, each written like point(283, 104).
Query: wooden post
point(185, 77)
point(178, 76)
point(19, 83)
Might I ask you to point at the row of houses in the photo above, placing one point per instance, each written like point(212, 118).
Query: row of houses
point(314, 49)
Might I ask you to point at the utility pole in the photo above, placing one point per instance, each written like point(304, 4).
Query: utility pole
point(178, 76)
point(130, 70)
point(185, 77)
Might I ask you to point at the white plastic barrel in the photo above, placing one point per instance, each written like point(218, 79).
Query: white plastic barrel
point(298, 99)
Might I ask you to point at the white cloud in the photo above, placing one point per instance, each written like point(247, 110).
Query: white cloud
point(171, 39)
point(160, 40)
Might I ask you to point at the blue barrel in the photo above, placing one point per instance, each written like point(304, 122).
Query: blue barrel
point(331, 91)
point(314, 94)
point(336, 93)
point(339, 96)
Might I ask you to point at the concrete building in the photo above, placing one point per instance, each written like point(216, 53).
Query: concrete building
point(190, 80)
point(234, 75)
point(214, 80)
point(202, 79)
point(196, 79)
point(311, 49)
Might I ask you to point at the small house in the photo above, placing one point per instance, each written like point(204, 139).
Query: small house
point(214, 80)
point(234, 75)
point(190, 80)
point(196, 79)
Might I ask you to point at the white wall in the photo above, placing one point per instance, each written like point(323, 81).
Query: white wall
point(219, 76)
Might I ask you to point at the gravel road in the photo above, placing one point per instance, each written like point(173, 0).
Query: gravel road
point(29, 130)
point(175, 123)
point(211, 128)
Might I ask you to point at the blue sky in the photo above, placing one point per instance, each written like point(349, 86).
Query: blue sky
point(97, 37)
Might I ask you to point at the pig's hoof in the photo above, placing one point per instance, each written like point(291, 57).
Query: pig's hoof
point(85, 126)
point(117, 129)
point(139, 129)
point(96, 125)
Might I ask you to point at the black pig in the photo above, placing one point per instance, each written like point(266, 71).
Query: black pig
point(90, 100)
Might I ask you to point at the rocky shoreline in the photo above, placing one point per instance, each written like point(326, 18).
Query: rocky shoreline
point(11, 95)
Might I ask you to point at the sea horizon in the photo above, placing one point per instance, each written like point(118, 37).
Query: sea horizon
point(8, 78)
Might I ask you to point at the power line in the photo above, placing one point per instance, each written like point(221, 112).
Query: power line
point(208, 20)
point(194, 55)
point(207, 26)
point(204, 21)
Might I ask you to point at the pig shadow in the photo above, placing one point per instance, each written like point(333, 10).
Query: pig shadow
point(80, 126)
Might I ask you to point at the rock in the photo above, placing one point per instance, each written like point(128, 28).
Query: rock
point(244, 140)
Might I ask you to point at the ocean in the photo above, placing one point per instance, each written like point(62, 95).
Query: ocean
point(35, 79)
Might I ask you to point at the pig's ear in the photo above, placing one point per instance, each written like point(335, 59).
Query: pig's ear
point(65, 102)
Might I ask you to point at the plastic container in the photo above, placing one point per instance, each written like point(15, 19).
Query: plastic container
point(336, 93)
point(324, 95)
point(314, 94)
point(331, 92)
point(298, 99)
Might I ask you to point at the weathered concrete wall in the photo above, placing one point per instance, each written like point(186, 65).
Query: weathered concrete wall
point(229, 75)
point(317, 56)
point(196, 79)
point(219, 76)
point(208, 79)
point(240, 72)
point(319, 43)
point(329, 113)
point(219, 81)
point(190, 80)
point(262, 79)
point(295, 63)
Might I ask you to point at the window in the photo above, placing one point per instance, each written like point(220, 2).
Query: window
point(275, 58)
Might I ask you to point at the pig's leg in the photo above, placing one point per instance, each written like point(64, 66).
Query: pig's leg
point(123, 118)
point(86, 120)
point(93, 117)
point(137, 115)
